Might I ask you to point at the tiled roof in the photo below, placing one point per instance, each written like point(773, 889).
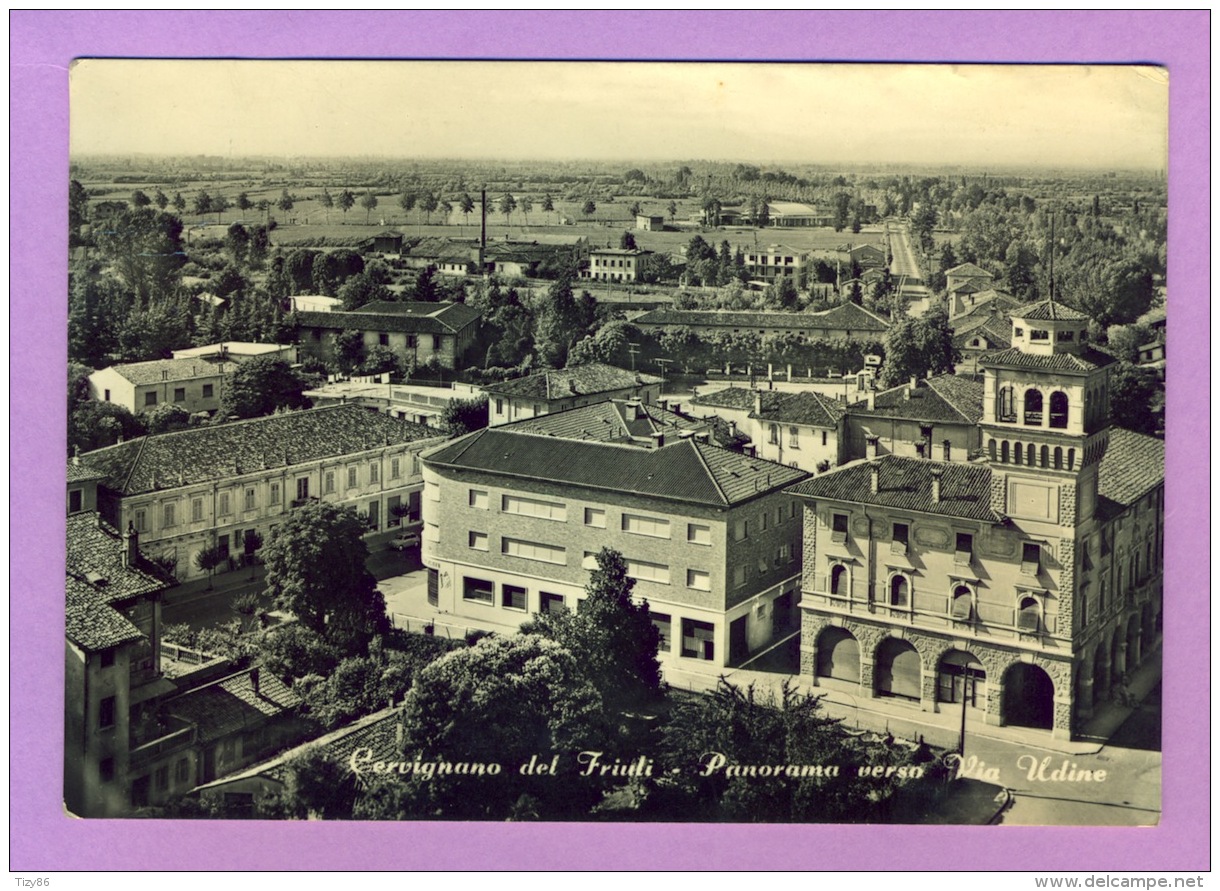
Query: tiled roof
point(610, 421)
point(845, 316)
point(956, 400)
point(968, 269)
point(967, 287)
point(1088, 360)
point(575, 380)
point(686, 470)
point(95, 558)
point(906, 484)
point(1133, 464)
point(92, 624)
point(1049, 311)
point(230, 705)
point(995, 330)
point(409, 317)
point(169, 370)
point(80, 473)
point(741, 398)
point(217, 452)
point(618, 252)
point(806, 408)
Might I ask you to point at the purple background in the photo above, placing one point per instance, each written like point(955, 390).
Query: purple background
point(41, 47)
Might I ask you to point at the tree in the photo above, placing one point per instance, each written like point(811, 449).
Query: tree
point(315, 569)
point(365, 287)
point(286, 202)
point(548, 206)
point(251, 544)
point(923, 221)
point(636, 209)
point(461, 416)
point(167, 417)
point(219, 205)
point(507, 205)
point(144, 247)
point(426, 289)
point(260, 386)
point(627, 241)
point(332, 268)
point(673, 210)
point(406, 200)
point(917, 348)
point(346, 201)
point(428, 203)
point(259, 247)
point(78, 206)
point(612, 637)
point(140, 199)
point(327, 201)
point(368, 201)
point(589, 208)
point(298, 268)
point(349, 350)
point(1137, 401)
point(526, 205)
point(466, 206)
point(208, 559)
point(179, 202)
point(244, 204)
point(203, 203)
point(237, 242)
point(94, 425)
point(501, 701)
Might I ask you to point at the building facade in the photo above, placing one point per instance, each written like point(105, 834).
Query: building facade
point(804, 430)
point(194, 385)
point(1020, 588)
point(615, 264)
point(553, 390)
point(936, 418)
point(847, 321)
point(513, 522)
point(206, 487)
point(418, 333)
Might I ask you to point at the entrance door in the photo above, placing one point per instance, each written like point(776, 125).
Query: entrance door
point(739, 645)
point(898, 670)
point(838, 655)
point(1029, 697)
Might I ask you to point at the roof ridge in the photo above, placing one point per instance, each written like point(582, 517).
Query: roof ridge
point(131, 470)
point(708, 470)
point(932, 385)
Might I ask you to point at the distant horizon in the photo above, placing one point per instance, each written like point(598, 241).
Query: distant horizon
point(1073, 117)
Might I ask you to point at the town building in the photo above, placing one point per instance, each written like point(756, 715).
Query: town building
point(649, 223)
point(207, 487)
point(1018, 589)
point(194, 385)
point(513, 521)
point(314, 303)
point(777, 261)
point(417, 332)
point(632, 422)
point(417, 403)
point(978, 278)
point(552, 390)
point(387, 242)
point(936, 417)
point(969, 300)
point(238, 351)
point(980, 334)
point(847, 321)
point(615, 264)
point(803, 429)
point(785, 214)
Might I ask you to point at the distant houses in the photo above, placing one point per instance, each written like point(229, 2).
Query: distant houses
point(416, 332)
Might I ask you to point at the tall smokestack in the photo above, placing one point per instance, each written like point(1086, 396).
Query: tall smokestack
point(483, 208)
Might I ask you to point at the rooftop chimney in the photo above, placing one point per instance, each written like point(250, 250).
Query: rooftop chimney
point(874, 477)
point(914, 382)
point(937, 473)
point(659, 438)
point(872, 446)
point(76, 454)
point(758, 402)
point(131, 546)
point(254, 680)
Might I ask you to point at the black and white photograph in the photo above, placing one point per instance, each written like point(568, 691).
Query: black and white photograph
point(616, 442)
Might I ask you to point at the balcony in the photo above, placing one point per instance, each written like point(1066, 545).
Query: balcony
point(158, 740)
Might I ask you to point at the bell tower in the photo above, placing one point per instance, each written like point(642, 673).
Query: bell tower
point(1046, 416)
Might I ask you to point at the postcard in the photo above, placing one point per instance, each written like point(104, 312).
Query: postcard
point(657, 451)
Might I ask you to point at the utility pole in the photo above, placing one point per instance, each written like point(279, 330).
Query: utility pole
point(633, 349)
point(663, 363)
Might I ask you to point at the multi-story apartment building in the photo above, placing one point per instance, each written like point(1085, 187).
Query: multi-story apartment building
point(203, 487)
point(936, 417)
point(1019, 588)
point(192, 384)
point(552, 390)
point(417, 332)
point(802, 430)
point(513, 521)
point(615, 264)
point(776, 261)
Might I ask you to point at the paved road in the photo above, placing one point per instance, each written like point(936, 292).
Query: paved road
point(904, 256)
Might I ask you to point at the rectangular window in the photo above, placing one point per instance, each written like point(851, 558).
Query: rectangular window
point(225, 509)
point(395, 468)
point(383, 339)
point(773, 430)
point(182, 773)
point(663, 624)
point(328, 483)
point(275, 493)
point(513, 597)
point(499, 406)
point(478, 540)
point(478, 498)
point(651, 526)
point(698, 639)
point(374, 472)
point(794, 439)
point(948, 446)
point(1031, 558)
point(698, 579)
point(697, 533)
point(302, 488)
point(784, 554)
point(739, 575)
point(179, 394)
point(900, 539)
point(1039, 334)
point(965, 548)
point(105, 712)
point(150, 399)
point(196, 510)
point(479, 590)
point(207, 391)
point(648, 572)
point(75, 501)
point(549, 603)
point(106, 396)
point(823, 437)
point(161, 777)
point(1065, 335)
point(741, 530)
point(762, 521)
point(412, 341)
point(532, 550)
point(351, 477)
point(249, 502)
point(169, 515)
point(595, 516)
point(436, 343)
point(533, 507)
point(1018, 332)
point(107, 658)
point(838, 531)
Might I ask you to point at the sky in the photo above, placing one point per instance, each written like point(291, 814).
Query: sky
point(1054, 116)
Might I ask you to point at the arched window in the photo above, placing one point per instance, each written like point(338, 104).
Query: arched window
point(1059, 409)
point(1004, 408)
point(1045, 457)
point(1058, 457)
point(963, 604)
point(1071, 459)
point(991, 449)
point(838, 580)
point(1004, 452)
point(900, 591)
point(1029, 615)
point(1016, 453)
point(1033, 408)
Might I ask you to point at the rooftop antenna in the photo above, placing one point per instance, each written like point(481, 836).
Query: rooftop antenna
point(1052, 259)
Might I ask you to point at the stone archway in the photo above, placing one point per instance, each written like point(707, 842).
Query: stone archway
point(838, 655)
point(899, 670)
point(960, 675)
point(1028, 697)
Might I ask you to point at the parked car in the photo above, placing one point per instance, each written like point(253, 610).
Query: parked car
point(404, 540)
